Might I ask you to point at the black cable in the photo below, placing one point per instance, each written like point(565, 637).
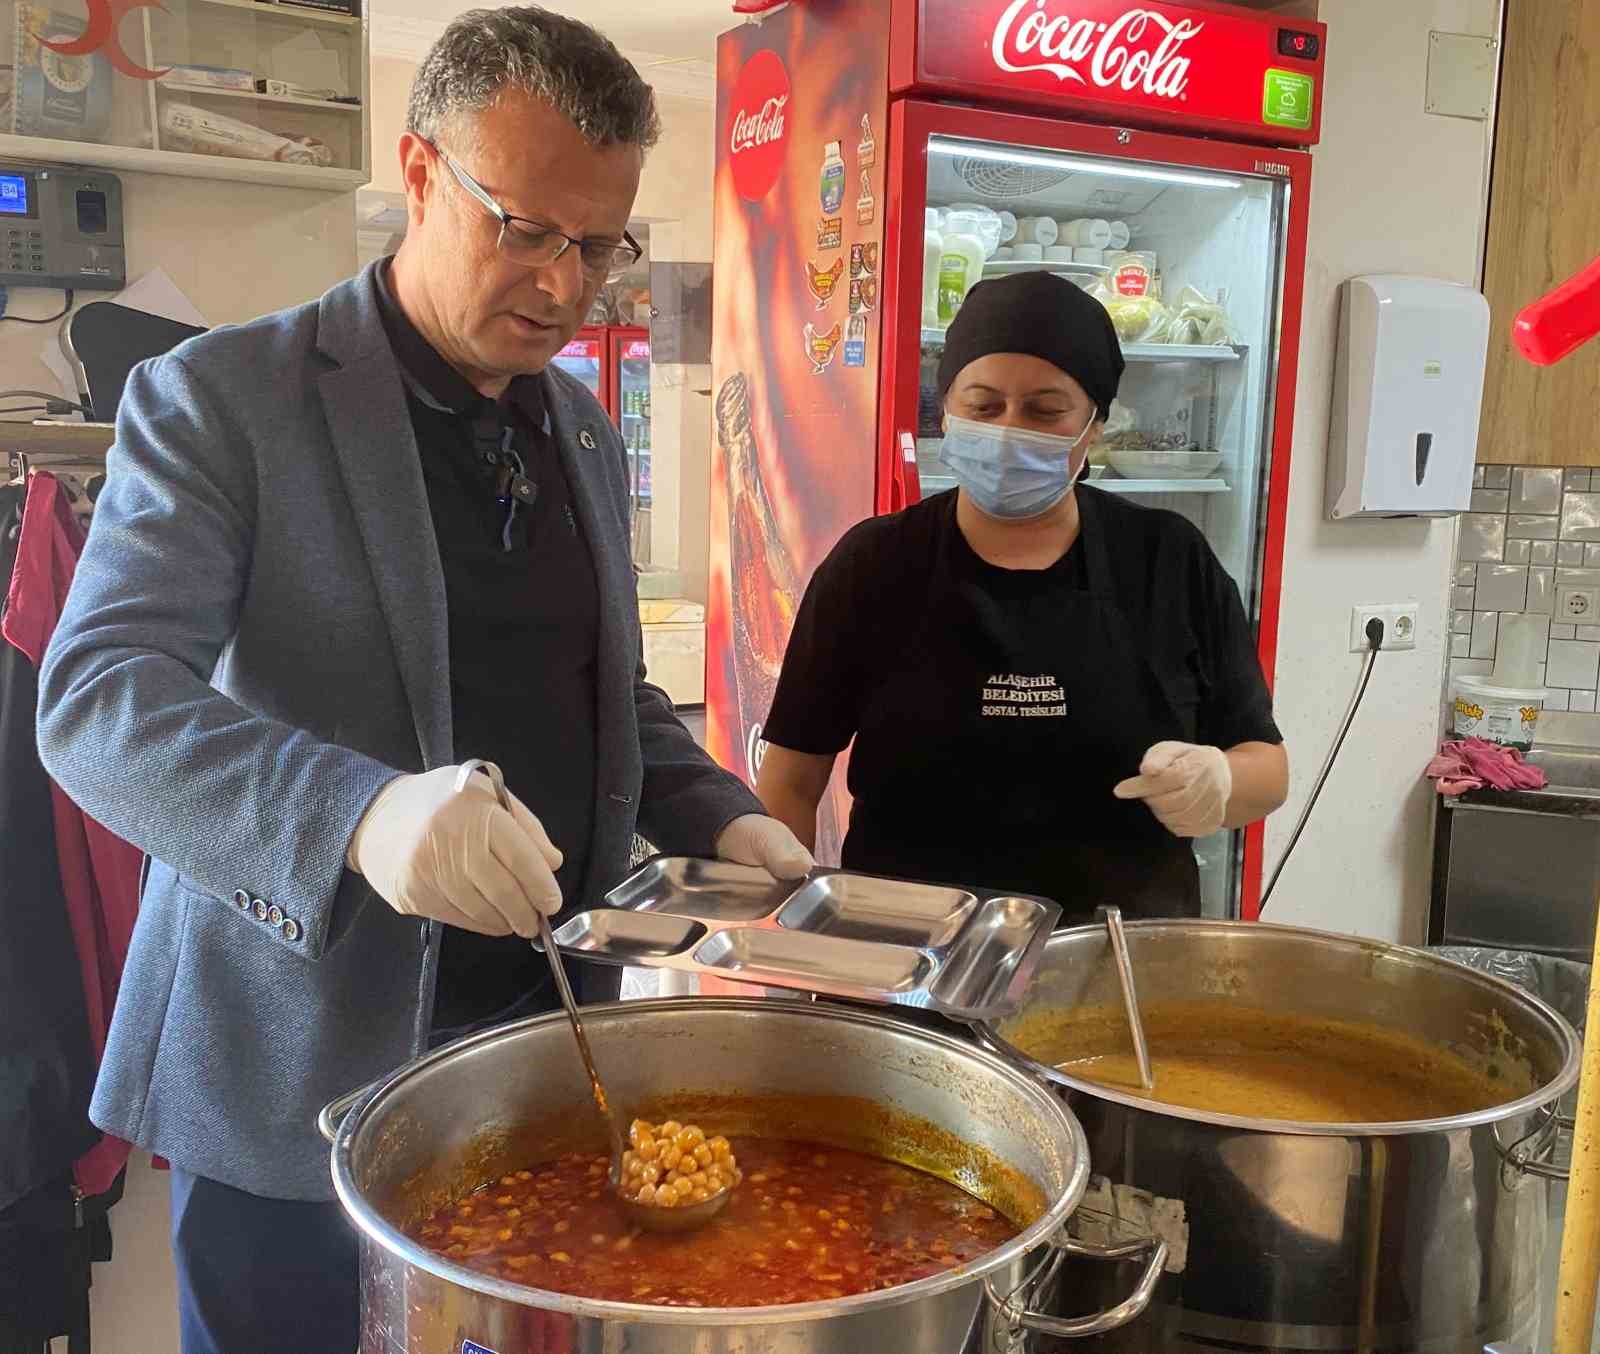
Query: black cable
point(48, 319)
point(65, 406)
point(1374, 643)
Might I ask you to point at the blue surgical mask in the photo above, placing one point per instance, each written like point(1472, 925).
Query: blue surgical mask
point(1010, 473)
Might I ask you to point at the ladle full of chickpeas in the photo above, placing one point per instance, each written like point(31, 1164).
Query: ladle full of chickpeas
point(667, 1177)
point(671, 1177)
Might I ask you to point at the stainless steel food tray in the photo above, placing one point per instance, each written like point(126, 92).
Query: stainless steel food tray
point(961, 952)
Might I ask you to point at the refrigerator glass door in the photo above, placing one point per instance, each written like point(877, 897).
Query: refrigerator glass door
point(585, 359)
point(633, 413)
point(1189, 262)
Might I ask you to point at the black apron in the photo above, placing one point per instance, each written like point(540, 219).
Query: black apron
point(988, 754)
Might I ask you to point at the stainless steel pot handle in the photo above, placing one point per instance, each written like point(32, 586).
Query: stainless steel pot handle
point(332, 1114)
point(1527, 1154)
point(1096, 1323)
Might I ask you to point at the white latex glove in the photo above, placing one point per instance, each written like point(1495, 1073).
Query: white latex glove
point(766, 843)
point(459, 858)
point(1186, 787)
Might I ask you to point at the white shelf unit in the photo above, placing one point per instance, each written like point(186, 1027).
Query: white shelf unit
point(228, 33)
point(299, 14)
point(287, 100)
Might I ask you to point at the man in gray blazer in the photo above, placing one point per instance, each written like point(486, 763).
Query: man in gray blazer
point(341, 550)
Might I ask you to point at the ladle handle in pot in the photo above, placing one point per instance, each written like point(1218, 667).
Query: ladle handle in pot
point(1095, 1323)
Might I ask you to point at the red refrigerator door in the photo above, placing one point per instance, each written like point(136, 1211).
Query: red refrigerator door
point(585, 357)
point(629, 379)
point(1221, 230)
point(799, 225)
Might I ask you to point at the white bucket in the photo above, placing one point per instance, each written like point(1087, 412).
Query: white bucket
point(1500, 714)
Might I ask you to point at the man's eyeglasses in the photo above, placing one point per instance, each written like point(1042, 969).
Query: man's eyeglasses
point(536, 245)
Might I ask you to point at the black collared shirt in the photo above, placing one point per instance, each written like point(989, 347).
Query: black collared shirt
point(524, 618)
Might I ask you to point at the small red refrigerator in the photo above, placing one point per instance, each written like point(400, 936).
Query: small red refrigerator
point(614, 362)
point(1154, 154)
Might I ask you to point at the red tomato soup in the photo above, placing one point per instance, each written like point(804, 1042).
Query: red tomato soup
point(807, 1223)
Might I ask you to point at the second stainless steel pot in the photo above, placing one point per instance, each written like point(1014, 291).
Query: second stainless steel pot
point(518, 1094)
point(1423, 1236)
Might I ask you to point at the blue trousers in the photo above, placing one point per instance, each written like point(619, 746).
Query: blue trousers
point(260, 1274)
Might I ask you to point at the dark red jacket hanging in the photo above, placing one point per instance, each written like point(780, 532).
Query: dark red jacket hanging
point(99, 872)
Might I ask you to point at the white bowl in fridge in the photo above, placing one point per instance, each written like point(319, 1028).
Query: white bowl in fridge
point(1150, 463)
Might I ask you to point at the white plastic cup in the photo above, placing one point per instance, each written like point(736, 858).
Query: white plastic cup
point(1096, 257)
point(1004, 254)
point(1120, 235)
point(1087, 233)
point(1058, 253)
point(1008, 227)
point(1029, 253)
point(1039, 230)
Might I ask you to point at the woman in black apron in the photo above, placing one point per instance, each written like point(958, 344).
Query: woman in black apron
point(1048, 689)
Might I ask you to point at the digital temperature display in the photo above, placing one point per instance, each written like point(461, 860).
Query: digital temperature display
point(14, 195)
point(1305, 46)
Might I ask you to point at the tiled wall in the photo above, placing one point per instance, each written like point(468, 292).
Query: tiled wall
point(1532, 533)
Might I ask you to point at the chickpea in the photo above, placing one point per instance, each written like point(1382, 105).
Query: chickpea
point(650, 1174)
point(704, 1155)
point(697, 1179)
point(524, 1175)
point(670, 1129)
point(666, 1198)
point(699, 1194)
point(672, 1156)
point(646, 1194)
point(562, 1227)
point(649, 1149)
point(505, 1234)
point(683, 1188)
point(719, 1146)
point(690, 1138)
point(561, 1257)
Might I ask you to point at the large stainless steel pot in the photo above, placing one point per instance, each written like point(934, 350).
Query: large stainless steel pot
point(517, 1094)
point(1420, 1236)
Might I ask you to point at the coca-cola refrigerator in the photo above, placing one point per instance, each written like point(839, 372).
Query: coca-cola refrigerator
point(586, 358)
point(628, 379)
point(874, 158)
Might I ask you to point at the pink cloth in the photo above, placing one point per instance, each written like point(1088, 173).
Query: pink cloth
point(1473, 764)
point(99, 871)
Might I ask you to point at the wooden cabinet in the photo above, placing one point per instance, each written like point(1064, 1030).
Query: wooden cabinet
point(1544, 225)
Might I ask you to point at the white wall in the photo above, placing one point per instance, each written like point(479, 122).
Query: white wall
point(237, 250)
point(1394, 189)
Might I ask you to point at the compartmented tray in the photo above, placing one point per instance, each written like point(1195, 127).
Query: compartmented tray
point(961, 952)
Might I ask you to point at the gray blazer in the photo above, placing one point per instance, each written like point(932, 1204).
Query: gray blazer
point(255, 643)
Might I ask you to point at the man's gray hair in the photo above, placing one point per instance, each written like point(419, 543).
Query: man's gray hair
point(572, 67)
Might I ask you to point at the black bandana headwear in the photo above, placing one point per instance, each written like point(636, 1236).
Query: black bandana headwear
point(1044, 316)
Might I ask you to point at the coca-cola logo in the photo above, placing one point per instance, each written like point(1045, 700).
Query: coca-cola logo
point(756, 125)
point(1136, 52)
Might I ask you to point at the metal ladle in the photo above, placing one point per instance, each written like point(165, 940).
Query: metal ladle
point(683, 1218)
point(1130, 998)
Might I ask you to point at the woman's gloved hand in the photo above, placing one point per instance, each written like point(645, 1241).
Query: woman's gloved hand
point(460, 858)
point(1185, 786)
point(767, 844)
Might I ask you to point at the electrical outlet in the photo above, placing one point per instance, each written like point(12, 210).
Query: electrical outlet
point(1399, 626)
point(1579, 606)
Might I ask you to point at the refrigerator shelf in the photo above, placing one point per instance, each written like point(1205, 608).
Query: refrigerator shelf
point(1062, 268)
point(938, 484)
point(1144, 352)
point(1208, 486)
